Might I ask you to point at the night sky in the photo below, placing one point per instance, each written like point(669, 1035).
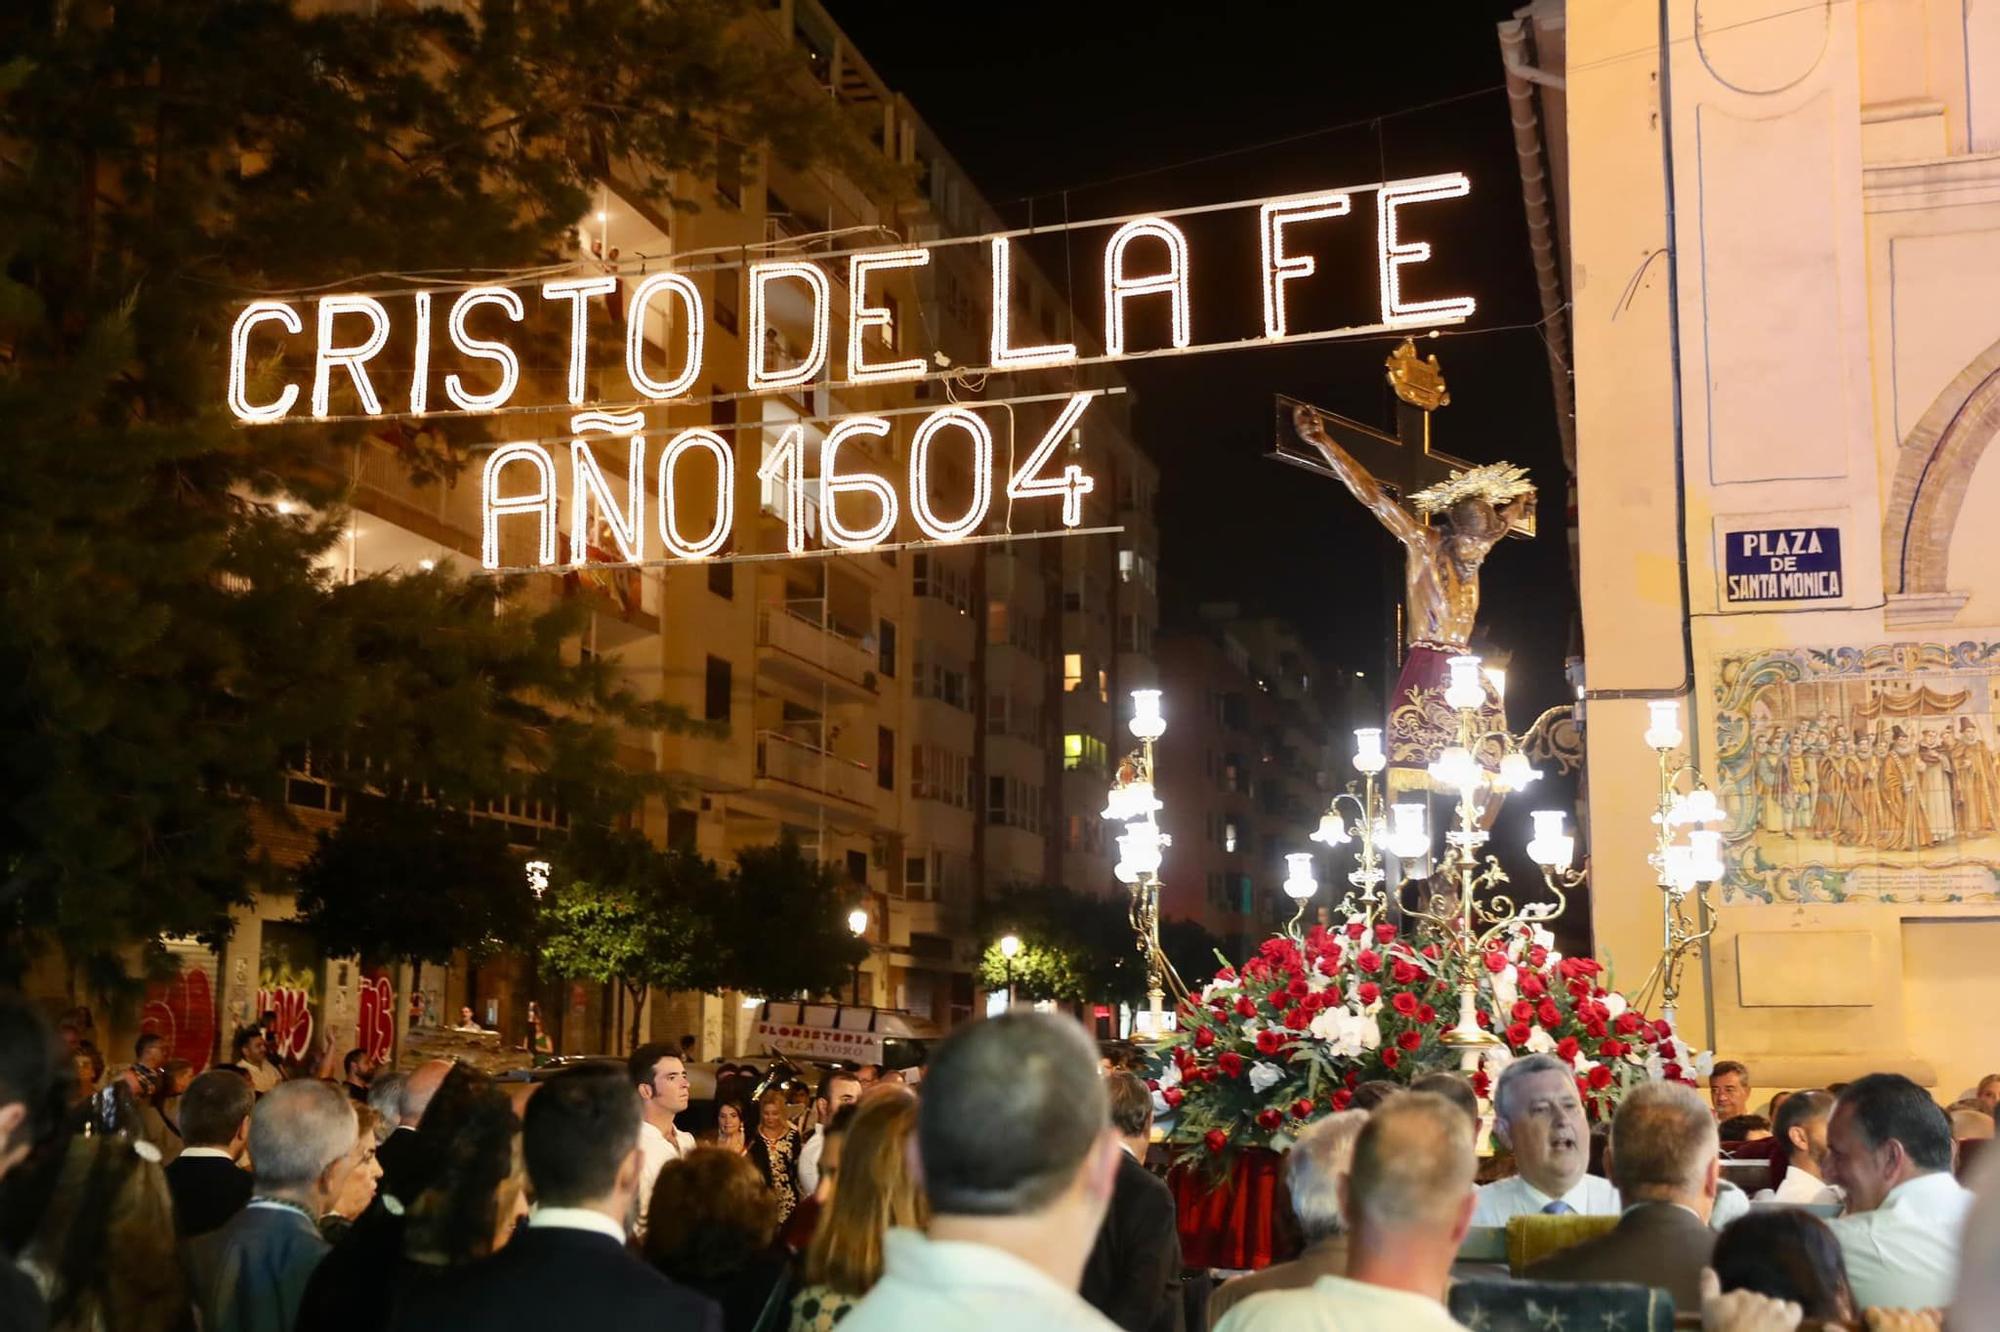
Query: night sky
point(1105, 109)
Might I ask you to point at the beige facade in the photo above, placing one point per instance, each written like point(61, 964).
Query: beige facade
point(1781, 227)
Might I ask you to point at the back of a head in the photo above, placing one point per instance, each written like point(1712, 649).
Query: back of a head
point(110, 1203)
point(213, 1107)
point(1011, 1108)
point(1321, 1156)
point(1413, 1167)
point(1131, 1104)
point(1971, 1124)
point(1788, 1254)
point(1799, 1111)
point(468, 1142)
point(420, 1085)
point(877, 1192)
point(385, 1097)
point(1371, 1094)
point(298, 1129)
point(1454, 1087)
point(579, 1127)
point(1662, 1141)
point(30, 1058)
point(1888, 1106)
point(709, 1216)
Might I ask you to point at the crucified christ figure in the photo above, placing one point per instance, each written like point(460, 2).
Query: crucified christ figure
point(1440, 581)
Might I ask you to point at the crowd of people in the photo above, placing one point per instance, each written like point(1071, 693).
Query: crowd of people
point(1011, 1190)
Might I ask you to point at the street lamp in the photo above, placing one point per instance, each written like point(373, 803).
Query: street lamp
point(857, 920)
point(1010, 945)
point(1135, 802)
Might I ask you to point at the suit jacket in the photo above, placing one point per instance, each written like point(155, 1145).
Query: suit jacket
point(1133, 1276)
point(403, 1167)
point(550, 1277)
point(1653, 1244)
point(207, 1191)
point(250, 1275)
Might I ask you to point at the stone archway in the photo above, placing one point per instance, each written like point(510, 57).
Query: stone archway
point(1933, 466)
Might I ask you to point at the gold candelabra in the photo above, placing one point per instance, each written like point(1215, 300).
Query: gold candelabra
point(1684, 870)
point(1134, 802)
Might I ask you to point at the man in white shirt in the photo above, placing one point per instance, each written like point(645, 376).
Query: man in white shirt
point(1538, 1115)
point(1408, 1203)
point(836, 1088)
point(661, 1080)
point(1018, 1157)
point(1801, 1131)
point(1889, 1145)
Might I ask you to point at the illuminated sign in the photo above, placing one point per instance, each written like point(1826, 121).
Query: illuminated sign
point(1146, 267)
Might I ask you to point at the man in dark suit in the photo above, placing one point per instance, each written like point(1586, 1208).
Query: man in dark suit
point(251, 1275)
point(1666, 1161)
point(1133, 1276)
point(404, 1166)
point(206, 1184)
point(569, 1267)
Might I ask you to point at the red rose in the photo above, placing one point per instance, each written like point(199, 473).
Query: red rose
point(1226, 974)
point(1230, 1063)
point(1384, 932)
point(1672, 1072)
point(1517, 1034)
point(1404, 1003)
point(1356, 929)
point(1538, 956)
point(1595, 1028)
point(1580, 966)
point(1523, 1010)
point(1390, 1058)
point(1600, 1078)
point(1152, 1084)
point(1496, 962)
point(1566, 1049)
point(1368, 992)
point(1612, 1048)
point(1341, 1098)
point(1315, 1001)
point(1548, 1014)
point(1298, 988)
point(1430, 951)
point(1627, 1024)
point(1173, 1096)
point(1482, 1085)
point(1203, 1038)
point(1579, 989)
point(1302, 1108)
point(1484, 1018)
point(1353, 1077)
point(1368, 960)
point(1269, 1042)
point(1215, 1140)
point(1297, 1018)
point(1663, 1027)
point(1531, 985)
point(1404, 973)
point(1411, 1039)
point(1269, 1119)
point(1246, 1006)
point(1427, 1014)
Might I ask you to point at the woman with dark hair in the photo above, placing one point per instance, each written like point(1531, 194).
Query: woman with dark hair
point(729, 1134)
point(472, 1196)
point(774, 1150)
point(711, 1227)
point(103, 1252)
point(1789, 1254)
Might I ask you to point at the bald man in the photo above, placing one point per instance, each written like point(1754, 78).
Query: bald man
point(402, 1164)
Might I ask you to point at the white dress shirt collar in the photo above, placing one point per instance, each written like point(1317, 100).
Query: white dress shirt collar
point(576, 1218)
point(205, 1154)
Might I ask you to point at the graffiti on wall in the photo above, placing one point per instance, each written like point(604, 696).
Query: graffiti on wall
point(288, 986)
point(375, 1024)
point(182, 1009)
point(1860, 773)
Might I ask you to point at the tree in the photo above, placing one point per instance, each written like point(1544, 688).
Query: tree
point(1080, 947)
point(781, 924)
point(169, 646)
point(642, 922)
point(413, 882)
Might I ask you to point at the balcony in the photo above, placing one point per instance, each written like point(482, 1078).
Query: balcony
point(797, 773)
point(796, 644)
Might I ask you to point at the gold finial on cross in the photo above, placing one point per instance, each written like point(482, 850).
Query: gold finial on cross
point(1417, 380)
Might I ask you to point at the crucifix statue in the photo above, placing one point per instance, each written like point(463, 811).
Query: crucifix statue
point(1446, 513)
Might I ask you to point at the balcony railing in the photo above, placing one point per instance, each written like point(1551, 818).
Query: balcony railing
point(780, 758)
point(800, 631)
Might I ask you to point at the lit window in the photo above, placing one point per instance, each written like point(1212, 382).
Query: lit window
point(1229, 835)
point(1072, 672)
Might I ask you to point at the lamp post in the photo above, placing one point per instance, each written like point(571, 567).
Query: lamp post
point(1465, 911)
point(1683, 870)
point(857, 921)
point(1133, 801)
point(1010, 944)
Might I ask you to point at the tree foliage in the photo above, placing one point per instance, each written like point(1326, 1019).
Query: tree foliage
point(170, 643)
point(782, 925)
point(1079, 947)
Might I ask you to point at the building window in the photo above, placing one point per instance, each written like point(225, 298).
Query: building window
point(1014, 803)
point(729, 173)
point(885, 758)
point(1230, 838)
point(885, 650)
point(1072, 672)
point(1134, 567)
point(934, 576)
point(722, 580)
point(941, 774)
point(723, 306)
point(716, 691)
point(1103, 685)
point(681, 828)
point(917, 878)
point(1134, 634)
point(1083, 753)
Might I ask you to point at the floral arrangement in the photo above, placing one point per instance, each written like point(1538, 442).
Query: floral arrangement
point(1266, 1049)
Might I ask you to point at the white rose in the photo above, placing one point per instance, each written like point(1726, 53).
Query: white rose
point(1581, 1063)
point(1505, 991)
point(1614, 1004)
point(1171, 1077)
point(1264, 1076)
point(1326, 1024)
point(1370, 1032)
point(1544, 938)
point(1539, 1040)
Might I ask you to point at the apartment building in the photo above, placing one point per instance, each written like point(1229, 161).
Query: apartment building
point(1245, 770)
point(936, 723)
